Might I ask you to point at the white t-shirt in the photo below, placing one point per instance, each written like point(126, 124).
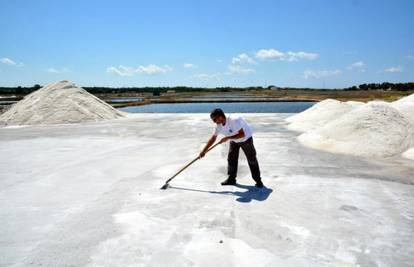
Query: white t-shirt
point(232, 127)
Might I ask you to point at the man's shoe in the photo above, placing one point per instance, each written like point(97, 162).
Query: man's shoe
point(229, 181)
point(259, 185)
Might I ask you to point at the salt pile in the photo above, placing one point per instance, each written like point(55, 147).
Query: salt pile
point(409, 154)
point(406, 106)
point(373, 129)
point(320, 114)
point(407, 99)
point(60, 102)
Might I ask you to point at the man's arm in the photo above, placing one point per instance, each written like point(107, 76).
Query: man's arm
point(208, 145)
point(240, 134)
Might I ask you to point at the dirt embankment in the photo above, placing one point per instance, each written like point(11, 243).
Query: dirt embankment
point(267, 96)
point(245, 96)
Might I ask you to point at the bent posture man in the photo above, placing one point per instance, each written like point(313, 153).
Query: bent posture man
point(240, 133)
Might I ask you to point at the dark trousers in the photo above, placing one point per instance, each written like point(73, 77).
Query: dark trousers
point(250, 152)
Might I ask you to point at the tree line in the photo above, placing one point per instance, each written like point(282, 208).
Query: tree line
point(386, 86)
point(104, 90)
point(20, 90)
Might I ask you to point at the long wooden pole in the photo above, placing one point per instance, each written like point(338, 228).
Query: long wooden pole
point(185, 167)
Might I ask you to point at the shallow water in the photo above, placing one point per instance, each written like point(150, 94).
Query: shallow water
point(244, 107)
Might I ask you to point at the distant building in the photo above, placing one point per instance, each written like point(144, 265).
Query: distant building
point(272, 87)
point(169, 93)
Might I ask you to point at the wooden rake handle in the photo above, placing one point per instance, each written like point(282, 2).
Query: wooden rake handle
point(186, 166)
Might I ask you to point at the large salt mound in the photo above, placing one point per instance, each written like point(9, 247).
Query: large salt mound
point(406, 99)
point(60, 102)
point(409, 154)
point(320, 114)
point(374, 129)
point(406, 106)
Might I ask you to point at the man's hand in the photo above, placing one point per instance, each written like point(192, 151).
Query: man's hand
point(209, 143)
point(202, 154)
point(224, 139)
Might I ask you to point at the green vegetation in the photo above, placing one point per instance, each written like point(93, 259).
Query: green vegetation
point(384, 86)
point(157, 90)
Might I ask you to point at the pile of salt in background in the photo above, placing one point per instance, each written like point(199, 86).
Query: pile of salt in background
point(59, 103)
point(374, 129)
point(377, 128)
point(320, 114)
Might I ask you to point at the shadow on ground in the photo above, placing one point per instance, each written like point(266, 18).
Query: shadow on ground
point(251, 193)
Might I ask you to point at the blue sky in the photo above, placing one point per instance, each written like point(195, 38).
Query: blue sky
point(206, 43)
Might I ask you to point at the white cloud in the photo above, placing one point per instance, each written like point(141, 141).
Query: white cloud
point(153, 69)
point(232, 70)
point(242, 59)
point(359, 66)
point(8, 61)
point(317, 74)
point(235, 69)
point(57, 71)
point(270, 54)
point(190, 66)
point(11, 62)
point(410, 56)
point(121, 70)
point(131, 71)
point(394, 69)
point(285, 56)
point(356, 65)
point(294, 56)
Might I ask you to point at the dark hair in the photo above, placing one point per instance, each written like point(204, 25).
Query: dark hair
point(217, 113)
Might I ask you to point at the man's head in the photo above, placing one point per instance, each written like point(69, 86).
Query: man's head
point(217, 115)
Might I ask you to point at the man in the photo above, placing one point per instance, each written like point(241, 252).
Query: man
point(240, 135)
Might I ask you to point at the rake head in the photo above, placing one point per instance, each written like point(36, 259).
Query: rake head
point(165, 186)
